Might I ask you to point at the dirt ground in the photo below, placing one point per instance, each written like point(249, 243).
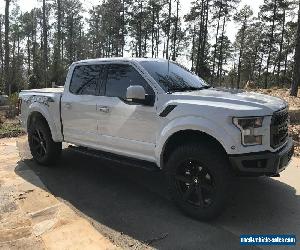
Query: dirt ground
point(31, 217)
point(9, 127)
point(284, 93)
point(295, 133)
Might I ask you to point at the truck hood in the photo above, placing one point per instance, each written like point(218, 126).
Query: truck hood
point(233, 97)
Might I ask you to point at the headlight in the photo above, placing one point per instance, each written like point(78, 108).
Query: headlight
point(248, 127)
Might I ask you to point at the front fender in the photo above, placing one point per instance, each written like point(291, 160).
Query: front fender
point(192, 123)
point(48, 115)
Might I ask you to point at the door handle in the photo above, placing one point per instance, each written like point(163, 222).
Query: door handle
point(68, 105)
point(104, 109)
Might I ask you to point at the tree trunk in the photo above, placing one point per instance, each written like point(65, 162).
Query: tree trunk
point(296, 79)
point(13, 61)
point(157, 33)
point(62, 37)
point(6, 48)
point(216, 42)
point(45, 44)
point(71, 49)
point(152, 32)
point(200, 38)
point(205, 34)
point(193, 48)
point(220, 63)
point(175, 32)
point(145, 43)
point(260, 67)
point(17, 84)
point(59, 23)
point(1, 56)
point(280, 49)
point(241, 54)
point(285, 65)
point(168, 29)
point(123, 29)
point(140, 30)
point(271, 43)
point(28, 56)
point(252, 76)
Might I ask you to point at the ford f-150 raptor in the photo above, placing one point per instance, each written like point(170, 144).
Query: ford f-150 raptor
point(155, 111)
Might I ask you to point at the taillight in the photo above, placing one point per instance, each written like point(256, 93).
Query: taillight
point(19, 106)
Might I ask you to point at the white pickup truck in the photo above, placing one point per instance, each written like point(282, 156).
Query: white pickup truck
point(157, 113)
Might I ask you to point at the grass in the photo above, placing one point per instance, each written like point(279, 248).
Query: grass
point(10, 130)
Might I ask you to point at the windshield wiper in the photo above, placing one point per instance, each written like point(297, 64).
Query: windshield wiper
point(183, 89)
point(206, 87)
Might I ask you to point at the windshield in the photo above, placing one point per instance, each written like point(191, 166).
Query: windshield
point(173, 77)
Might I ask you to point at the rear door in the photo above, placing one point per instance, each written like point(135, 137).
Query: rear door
point(78, 105)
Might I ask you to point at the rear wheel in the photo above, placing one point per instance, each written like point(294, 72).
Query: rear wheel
point(43, 149)
point(198, 180)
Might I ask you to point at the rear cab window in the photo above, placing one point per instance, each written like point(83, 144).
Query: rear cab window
point(86, 80)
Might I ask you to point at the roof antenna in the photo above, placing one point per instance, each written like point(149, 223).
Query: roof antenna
point(168, 64)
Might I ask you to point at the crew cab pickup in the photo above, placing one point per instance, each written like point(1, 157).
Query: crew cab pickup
point(155, 111)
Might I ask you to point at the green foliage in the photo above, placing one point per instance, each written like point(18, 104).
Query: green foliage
point(13, 99)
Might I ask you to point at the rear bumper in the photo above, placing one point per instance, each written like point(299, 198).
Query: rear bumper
point(263, 163)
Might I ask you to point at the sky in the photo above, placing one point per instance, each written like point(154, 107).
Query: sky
point(27, 5)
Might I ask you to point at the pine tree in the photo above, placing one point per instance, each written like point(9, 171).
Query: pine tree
point(6, 48)
point(296, 78)
point(242, 17)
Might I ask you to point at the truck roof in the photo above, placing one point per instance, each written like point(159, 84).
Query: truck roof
point(124, 59)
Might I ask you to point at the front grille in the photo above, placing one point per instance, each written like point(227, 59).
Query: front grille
point(279, 128)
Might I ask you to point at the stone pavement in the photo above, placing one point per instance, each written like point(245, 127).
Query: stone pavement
point(31, 217)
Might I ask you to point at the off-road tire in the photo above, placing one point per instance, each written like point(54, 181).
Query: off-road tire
point(209, 159)
point(49, 151)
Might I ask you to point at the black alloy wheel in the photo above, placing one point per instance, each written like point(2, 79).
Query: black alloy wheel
point(195, 183)
point(39, 145)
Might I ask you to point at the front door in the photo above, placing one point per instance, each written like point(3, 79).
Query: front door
point(124, 126)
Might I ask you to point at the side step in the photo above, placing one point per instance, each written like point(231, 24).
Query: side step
point(122, 160)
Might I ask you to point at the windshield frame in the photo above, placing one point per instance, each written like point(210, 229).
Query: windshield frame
point(204, 84)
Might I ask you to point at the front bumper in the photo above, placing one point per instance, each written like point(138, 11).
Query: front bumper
point(263, 163)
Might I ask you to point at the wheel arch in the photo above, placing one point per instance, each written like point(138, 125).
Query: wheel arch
point(196, 126)
point(189, 135)
point(36, 115)
point(48, 113)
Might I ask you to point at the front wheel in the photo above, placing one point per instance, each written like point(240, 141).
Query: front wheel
point(198, 180)
point(43, 149)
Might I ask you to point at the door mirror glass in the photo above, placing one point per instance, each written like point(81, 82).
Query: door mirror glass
point(135, 92)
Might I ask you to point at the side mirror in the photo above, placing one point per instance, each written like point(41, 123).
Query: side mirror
point(135, 92)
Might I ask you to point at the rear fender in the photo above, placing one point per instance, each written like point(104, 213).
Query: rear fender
point(45, 111)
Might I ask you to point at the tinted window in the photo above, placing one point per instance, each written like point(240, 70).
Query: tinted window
point(120, 77)
point(85, 80)
point(173, 77)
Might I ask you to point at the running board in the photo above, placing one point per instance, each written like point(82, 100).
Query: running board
point(122, 160)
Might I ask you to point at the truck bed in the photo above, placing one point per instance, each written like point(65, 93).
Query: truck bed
point(46, 90)
point(47, 102)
